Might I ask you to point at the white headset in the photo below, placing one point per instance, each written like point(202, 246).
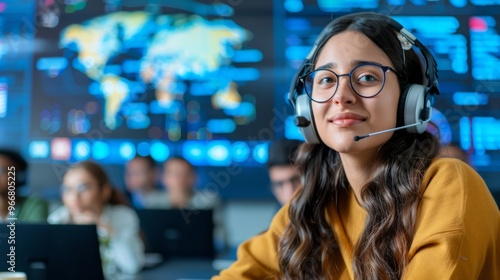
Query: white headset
point(415, 103)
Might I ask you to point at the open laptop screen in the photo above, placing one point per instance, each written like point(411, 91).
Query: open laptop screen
point(178, 233)
point(51, 252)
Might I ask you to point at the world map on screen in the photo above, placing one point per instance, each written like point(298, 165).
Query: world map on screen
point(172, 50)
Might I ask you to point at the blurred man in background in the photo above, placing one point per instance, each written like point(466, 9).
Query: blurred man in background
point(285, 178)
point(179, 178)
point(141, 177)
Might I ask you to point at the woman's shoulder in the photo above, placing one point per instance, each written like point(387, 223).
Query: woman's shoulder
point(441, 162)
point(281, 219)
point(454, 184)
point(443, 170)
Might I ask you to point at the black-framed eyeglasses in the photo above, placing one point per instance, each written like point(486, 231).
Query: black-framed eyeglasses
point(366, 80)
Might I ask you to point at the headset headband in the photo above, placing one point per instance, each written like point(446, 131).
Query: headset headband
point(430, 63)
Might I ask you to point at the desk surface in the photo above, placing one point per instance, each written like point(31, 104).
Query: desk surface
point(180, 270)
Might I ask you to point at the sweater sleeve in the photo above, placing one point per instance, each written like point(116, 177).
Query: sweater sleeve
point(457, 231)
point(125, 243)
point(257, 257)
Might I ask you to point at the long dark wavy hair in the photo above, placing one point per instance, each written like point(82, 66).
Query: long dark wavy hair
point(391, 197)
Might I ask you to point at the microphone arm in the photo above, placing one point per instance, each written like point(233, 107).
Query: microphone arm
point(357, 138)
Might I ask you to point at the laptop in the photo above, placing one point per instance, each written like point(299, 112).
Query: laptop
point(178, 233)
point(51, 252)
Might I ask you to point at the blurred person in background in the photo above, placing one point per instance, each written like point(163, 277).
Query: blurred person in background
point(141, 177)
point(179, 179)
point(89, 198)
point(13, 169)
point(284, 176)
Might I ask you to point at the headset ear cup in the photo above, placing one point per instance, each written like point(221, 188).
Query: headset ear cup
point(304, 119)
point(414, 102)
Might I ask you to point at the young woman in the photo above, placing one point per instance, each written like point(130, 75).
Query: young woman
point(382, 206)
point(89, 198)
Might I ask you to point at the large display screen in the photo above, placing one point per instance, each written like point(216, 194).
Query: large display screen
point(151, 79)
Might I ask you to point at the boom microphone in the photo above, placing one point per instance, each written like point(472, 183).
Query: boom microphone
point(357, 138)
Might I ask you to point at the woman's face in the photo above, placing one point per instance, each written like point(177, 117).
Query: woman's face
point(346, 114)
point(81, 192)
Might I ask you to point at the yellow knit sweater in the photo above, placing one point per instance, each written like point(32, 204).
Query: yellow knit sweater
point(457, 233)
